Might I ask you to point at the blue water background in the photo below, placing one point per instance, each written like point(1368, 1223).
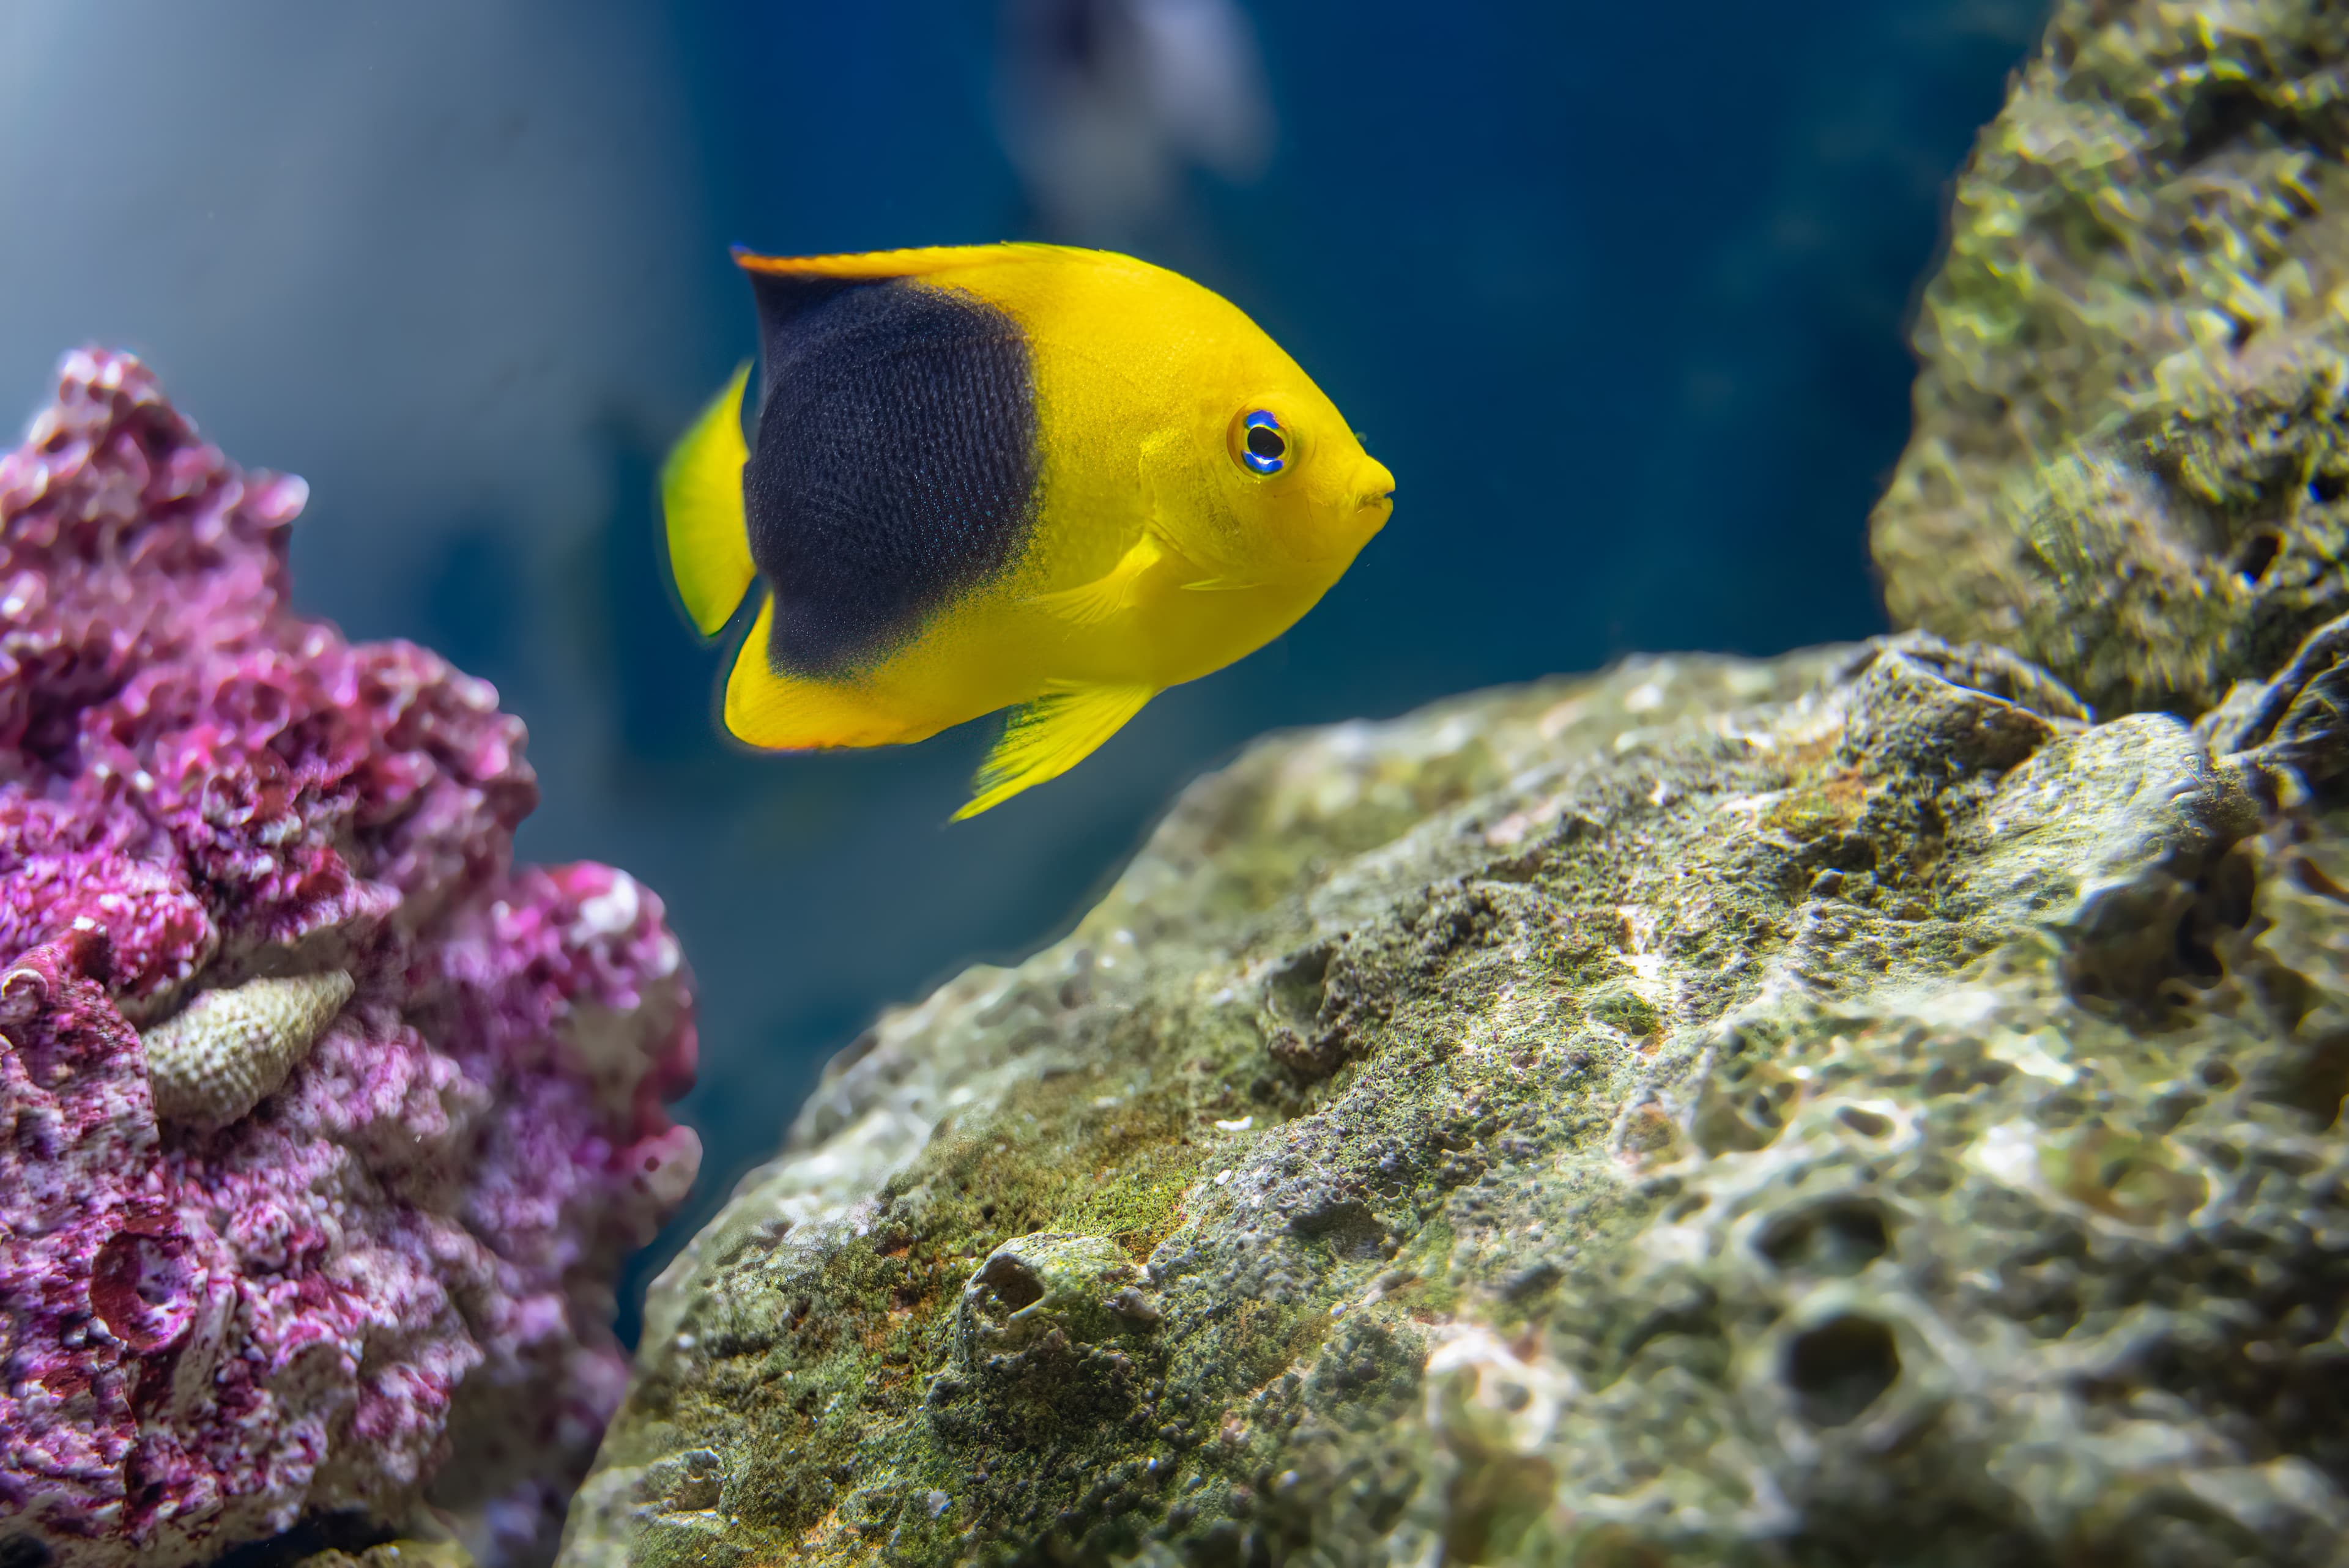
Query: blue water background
point(1618, 291)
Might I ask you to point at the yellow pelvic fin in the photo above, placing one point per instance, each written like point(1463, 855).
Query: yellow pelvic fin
point(791, 713)
point(701, 496)
point(1090, 603)
point(1050, 735)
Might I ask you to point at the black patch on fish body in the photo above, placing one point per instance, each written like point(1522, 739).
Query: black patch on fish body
point(894, 465)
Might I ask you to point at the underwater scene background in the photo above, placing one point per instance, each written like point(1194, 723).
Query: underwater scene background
point(1618, 292)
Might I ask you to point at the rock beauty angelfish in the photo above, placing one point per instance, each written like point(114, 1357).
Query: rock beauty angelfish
point(1018, 476)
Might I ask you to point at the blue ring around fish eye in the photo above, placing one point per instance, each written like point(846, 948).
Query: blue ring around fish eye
point(1262, 446)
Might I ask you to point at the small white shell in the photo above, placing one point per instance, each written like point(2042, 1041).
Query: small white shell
point(227, 1051)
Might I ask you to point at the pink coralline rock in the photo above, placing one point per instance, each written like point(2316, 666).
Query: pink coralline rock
point(386, 1283)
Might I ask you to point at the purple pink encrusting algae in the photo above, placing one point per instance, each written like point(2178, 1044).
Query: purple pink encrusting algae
point(390, 1279)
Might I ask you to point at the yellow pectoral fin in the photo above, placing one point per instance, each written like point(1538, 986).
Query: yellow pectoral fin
point(791, 713)
point(1090, 603)
point(1220, 585)
point(702, 497)
point(1050, 735)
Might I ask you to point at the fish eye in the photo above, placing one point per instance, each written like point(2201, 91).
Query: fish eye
point(1260, 444)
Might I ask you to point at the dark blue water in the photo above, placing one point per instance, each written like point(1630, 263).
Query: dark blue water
point(1617, 292)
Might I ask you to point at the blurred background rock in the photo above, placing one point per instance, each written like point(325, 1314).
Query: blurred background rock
point(1618, 291)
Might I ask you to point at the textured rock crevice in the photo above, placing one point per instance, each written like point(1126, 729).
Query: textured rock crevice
point(2131, 459)
point(1744, 1111)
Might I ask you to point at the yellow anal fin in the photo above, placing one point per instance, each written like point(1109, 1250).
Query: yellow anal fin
point(701, 496)
point(1090, 603)
point(1050, 735)
point(790, 713)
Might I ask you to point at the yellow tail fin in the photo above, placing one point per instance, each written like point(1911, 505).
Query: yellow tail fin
point(790, 713)
point(701, 495)
point(1050, 735)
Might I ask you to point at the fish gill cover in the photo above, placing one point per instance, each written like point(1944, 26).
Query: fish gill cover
point(323, 1128)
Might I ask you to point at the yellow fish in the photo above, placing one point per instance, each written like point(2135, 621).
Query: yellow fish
point(1004, 476)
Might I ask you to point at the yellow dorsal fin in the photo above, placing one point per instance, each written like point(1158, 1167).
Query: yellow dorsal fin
point(790, 713)
point(1049, 736)
point(914, 263)
point(701, 496)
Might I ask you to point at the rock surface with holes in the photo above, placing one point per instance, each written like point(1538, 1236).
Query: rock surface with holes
point(1853, 1108)
point(323, 1128)
point(2131, 461)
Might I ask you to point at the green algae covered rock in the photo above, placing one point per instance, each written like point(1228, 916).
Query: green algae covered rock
point(2131, 459)
point(1849, 1109)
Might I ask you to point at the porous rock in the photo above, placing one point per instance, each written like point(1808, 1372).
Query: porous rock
point(323, 1128)
point(2131, 455)
point(1709, 1113)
